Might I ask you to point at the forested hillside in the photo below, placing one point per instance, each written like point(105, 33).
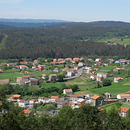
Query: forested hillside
point(61, 42)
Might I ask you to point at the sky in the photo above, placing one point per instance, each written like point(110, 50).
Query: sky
point(69, 10)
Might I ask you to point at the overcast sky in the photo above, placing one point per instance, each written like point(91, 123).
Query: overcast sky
point(70, 10)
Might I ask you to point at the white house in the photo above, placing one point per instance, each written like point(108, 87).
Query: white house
point(46, 100)
point(23, 103)
point(123, 111)
point(44, 76)
point(122, 96)
point(118, 79)
point(56, 70)
point(80, 64)
point(41, 99)
point(32, 101)
point(70, 74)
point(53, 98)
point(93, 77)
point(68, 92)
point(76, 67)
point(98, 60)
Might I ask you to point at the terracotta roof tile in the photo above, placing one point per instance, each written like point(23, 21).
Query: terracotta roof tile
point(68, 90)
point(95, 97)
point(123, 109)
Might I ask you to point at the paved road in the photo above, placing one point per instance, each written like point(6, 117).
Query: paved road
point(79, 73)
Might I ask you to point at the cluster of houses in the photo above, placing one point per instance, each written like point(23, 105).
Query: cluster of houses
point(74, 101)
point(100, 75)
point(27, 79)
point(62, 61)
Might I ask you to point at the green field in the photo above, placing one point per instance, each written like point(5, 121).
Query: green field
point(118, 40)
point(114, 89)
point(108, 107)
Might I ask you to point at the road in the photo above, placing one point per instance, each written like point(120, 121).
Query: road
point(79, 73)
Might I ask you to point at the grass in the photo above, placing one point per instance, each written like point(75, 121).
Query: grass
point(56, 84)
point(114, 89)
point(118, 40)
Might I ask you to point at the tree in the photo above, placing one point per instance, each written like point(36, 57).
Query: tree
point(106, 82)
point(35, 105)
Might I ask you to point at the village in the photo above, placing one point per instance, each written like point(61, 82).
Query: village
point(99, 83)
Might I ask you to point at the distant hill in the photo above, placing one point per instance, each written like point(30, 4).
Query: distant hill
point(92, 24)
point(46, 23)
point(31, 20)
point(6, 27)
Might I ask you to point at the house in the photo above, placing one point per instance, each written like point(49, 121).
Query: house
point(95, 69)
point(100, 76)
point(26, 78)
point(91, 60)
point(122, 96)
point(73, 97)
point(118, 79)
point(76, 97)
point(35, 62)
point(76, 67)
point(123, 111)
point(41, 99)
point(70, 74)
point(44, 76)
point(108, 95)
point(116, 70)
point(18, 79)
point(98, 60)
point(87, 68)
point(16, 97)
point(46, 100)
point(54, 60)
point(26, 72)
point(61, 102)
point(52, 77)
point(22, 82)
point(32, 101)
point(99, 63)
point(68, 92)
point(88, 71)
point(61, 60)
point(23, 63)
point(23, 103)
point(27, 112)
point(76, 104)
point(105, 75)
point(93, 77)
point(56, 70)
point(128, 99)
point(96, 100)
point(34, 82)
point(76, 59)
point(40, 68)
point(69, 59)
point(23, 67)
point(80, 64)
point(11, 64)
point(66, 69)
point(53, 98)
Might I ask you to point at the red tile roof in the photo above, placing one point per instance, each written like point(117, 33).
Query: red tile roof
point(26, 111)
point(124, 95)
point(68, 90)
point(95, 97)
point(123, 109)
point(54, 97)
